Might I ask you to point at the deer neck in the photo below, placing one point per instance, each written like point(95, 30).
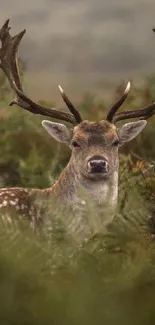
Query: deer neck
point(72, 188)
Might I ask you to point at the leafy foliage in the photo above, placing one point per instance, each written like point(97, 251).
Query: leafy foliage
point(59, 277)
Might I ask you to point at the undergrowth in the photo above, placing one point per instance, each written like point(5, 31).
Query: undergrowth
point(75, 277)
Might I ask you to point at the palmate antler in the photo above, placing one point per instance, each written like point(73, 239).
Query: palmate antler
point(9, 64)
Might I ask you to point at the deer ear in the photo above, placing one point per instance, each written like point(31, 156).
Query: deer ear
point(58, 131)
point(130, 130)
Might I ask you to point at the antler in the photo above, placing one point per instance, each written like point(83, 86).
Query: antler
point(120, 101)
point(70, 105)
point(143, 113)
point(9, 64)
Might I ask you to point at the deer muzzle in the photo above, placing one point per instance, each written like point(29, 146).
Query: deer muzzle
point(98, 164)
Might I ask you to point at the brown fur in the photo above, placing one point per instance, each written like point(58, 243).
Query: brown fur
point(94, 139)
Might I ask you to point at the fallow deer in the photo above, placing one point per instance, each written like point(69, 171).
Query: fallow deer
point(93, 166)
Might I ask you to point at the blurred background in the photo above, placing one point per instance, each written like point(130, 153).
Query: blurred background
point(80, 44)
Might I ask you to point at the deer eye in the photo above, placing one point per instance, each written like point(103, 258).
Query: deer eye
point(115, 143)
point(75, 144)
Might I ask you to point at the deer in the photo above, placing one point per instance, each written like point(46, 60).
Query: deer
point(94, 163)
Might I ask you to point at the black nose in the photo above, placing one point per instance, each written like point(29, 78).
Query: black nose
point(98, 165)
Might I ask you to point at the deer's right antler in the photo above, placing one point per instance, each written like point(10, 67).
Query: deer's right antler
point(9, 64)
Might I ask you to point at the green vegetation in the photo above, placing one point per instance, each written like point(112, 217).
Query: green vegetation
point(55, 278)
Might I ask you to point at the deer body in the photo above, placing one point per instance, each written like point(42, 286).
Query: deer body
point(92, 172)
point(69, 191)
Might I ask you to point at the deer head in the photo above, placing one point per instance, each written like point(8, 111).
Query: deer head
point(94, 145)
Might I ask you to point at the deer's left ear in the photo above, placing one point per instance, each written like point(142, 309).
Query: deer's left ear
point(130, 130)
point(58, 131)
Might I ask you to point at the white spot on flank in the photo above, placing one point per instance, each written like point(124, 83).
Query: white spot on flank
point(23, 190)
point(5, 203)
point(2, 193)
point(12, 202)
point(12, 194)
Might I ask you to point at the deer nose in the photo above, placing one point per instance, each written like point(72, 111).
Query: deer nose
point(98, 165)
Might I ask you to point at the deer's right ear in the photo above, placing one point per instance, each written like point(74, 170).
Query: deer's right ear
point(58, 131)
